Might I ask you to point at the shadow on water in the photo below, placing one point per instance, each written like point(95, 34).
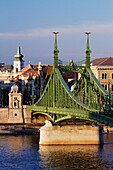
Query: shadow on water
point(108, 138)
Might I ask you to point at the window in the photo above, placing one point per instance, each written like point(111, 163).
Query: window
point(105, 75)
point(112, 75)
point(102, 75)
point(16, 70)
point(15, 114)
point(105, 86)
point(14, 104)
point(15, 98)
point(102, 85)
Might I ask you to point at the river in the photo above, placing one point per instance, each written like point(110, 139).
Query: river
point(23, 152)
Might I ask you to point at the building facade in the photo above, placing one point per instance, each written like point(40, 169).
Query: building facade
point(103, 71)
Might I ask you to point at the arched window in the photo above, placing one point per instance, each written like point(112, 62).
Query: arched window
point(14, 104)
point(105, 75)
point(16, 70)
point(102, 75)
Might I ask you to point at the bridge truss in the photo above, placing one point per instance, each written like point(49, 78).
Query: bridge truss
point(88, 97)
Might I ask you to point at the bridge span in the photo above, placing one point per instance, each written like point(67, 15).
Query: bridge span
point(84, 102)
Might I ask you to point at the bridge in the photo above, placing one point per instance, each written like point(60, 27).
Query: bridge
point(83, 103)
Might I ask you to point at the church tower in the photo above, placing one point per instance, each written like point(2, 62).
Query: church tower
point(18, 62)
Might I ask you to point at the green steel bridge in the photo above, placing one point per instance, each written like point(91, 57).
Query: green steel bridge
point(84, 103)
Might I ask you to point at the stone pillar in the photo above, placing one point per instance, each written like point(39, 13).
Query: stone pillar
point(70, 134)
point(26, 115)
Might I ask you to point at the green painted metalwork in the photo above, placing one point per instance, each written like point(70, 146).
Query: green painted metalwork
point(87, 52)
point(65, 63)
point(89, 91)
point(61, 96)
point(60, 104)
point(69, 113)
point(55, 52)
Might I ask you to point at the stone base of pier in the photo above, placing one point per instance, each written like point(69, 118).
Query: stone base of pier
point(70, 134)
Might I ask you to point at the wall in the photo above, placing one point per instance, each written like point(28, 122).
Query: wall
point(27, 115)
point(3, 115)
point(39, 119)
point(15, 115)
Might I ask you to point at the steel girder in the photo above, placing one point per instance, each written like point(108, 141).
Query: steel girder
point(59, 104)
point(89, 91)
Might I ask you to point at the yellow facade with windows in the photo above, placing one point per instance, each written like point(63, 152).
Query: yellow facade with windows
point(103, 71)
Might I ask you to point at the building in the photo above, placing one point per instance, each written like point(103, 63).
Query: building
point(15, 106)
point(31, 81)
point(15, 113)
point(18, 62)
point(103, 71)
point(6, 72)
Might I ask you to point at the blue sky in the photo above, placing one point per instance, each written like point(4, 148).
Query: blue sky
point(30, 23)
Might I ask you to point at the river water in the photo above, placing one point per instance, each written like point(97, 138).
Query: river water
point(23, 152)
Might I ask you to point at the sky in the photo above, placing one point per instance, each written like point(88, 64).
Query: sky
point(31, 23)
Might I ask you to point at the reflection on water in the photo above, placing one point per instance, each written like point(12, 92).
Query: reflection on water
point(78, 157)
point(23, 152)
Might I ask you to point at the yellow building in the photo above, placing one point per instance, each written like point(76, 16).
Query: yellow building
point(103, 71)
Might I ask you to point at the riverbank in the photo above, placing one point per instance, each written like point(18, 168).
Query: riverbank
point(20, 129)
point(33, 128)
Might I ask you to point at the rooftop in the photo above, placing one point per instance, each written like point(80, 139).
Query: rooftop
point(105, 61)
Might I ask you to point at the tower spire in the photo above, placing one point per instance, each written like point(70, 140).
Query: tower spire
point(18, 50)
point(18, 56)
point(87, 51)
point(55, 52)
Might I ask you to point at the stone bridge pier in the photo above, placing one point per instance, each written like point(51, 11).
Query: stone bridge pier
point(70, 134)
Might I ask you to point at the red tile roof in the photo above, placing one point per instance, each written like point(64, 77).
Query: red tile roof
point(28, 67)
point(28, 70)
point(106, 61)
